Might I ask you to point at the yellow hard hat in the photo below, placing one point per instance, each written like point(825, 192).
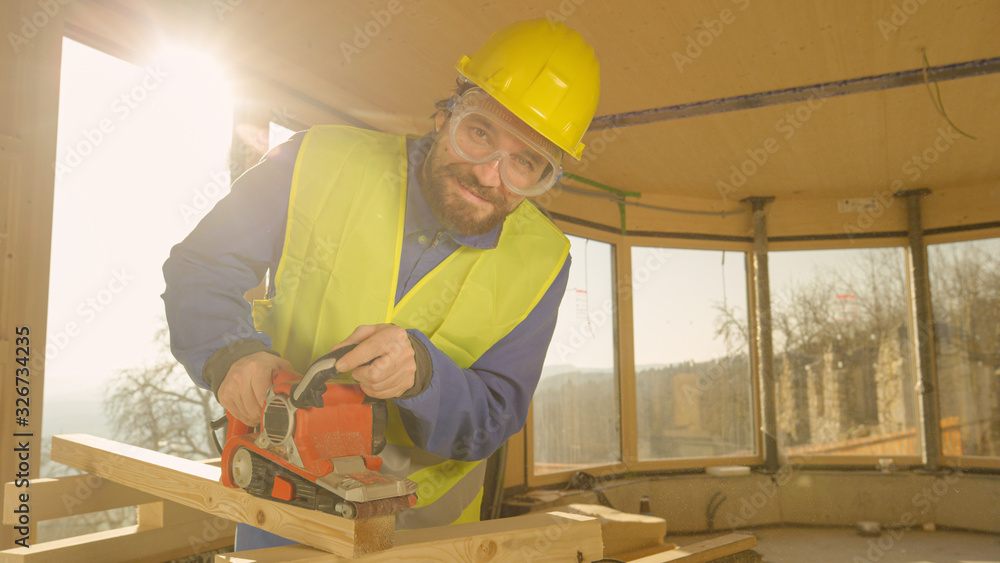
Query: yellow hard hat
point(543, 72)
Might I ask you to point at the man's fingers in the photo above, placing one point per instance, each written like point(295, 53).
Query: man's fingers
point(386, 388)
point(244, 389)
point(247, 408)
point(259, 387)
point(388, 348)
point(236, 404)
point(385, 378)
point(364, 352)
point(374, 373)
point(245, 418)
point(360, 334)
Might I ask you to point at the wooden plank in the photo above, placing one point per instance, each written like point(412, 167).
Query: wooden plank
point(197, 485)
point(540, 537)
point(645, 552)
point(515, 468)
point(130, 544)
point(165, 513)
point(704, 551)
point(69, 496)
point(623, 532)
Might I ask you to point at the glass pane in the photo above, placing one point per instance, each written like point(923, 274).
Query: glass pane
point(277, 134)
point(575, 408)
point(842, 352)
point(965, 295)
point(693, 383)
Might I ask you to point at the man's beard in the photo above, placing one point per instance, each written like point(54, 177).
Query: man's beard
point(441, 190)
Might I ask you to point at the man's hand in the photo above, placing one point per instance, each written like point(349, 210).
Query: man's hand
point(392, 372)
point(243, 390)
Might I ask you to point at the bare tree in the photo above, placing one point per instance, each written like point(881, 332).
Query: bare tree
point(842, 336)
point(157, 407)
point(965, 283)
point(828, 331)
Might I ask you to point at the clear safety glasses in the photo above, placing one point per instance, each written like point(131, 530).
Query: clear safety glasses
point(484, 131)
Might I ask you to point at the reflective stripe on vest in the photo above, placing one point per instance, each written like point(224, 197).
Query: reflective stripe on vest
point(339, 269)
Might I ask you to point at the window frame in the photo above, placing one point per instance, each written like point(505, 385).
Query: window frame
point(624, 343)
point(865, 460)
point(934, 239)
point(625, 355)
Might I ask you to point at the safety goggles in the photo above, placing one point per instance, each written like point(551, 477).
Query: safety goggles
point(484, 131)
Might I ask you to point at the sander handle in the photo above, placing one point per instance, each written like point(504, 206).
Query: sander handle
point(308, 392)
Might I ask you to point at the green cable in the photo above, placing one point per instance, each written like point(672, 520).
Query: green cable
point(620, 193)
point(604, 187)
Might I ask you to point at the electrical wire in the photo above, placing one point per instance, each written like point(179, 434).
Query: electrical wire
point(712, 508)
point(938, 104)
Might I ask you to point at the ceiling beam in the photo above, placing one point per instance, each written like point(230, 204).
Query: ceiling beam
point(801, 93)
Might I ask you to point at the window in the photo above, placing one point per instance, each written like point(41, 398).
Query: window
point(842, 352)
point(140, 159)
point(575, 410)
point(965, 300)
point(693, 382)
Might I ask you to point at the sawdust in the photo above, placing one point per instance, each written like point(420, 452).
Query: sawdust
point(374, 534)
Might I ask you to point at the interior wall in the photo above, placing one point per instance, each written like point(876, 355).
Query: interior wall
point(794, 496)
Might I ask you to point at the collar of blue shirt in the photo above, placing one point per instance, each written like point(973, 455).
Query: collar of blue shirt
point(419, 217)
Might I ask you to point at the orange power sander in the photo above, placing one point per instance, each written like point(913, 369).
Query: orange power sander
point(317, 446)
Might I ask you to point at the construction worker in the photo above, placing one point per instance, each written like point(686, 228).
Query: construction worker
point(423, 252)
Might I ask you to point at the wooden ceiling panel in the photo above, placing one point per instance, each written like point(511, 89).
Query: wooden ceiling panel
point(925, 150)
point(800, 149)
point(652, 54)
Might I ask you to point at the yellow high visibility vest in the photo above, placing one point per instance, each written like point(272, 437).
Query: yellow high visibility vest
point(339, 269)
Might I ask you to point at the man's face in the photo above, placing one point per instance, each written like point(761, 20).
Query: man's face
point(468, 199)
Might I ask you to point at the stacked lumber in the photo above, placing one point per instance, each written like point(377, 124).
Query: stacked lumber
point(176, 493)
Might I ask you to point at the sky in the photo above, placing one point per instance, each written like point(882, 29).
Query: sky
point(674, 294)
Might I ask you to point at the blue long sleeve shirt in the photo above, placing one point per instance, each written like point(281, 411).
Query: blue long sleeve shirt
point(463, 414)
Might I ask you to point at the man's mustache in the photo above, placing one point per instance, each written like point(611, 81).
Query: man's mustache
point(472, 182)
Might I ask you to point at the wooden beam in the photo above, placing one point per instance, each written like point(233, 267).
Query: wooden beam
point(538, 537)
point(627, 399)
point(704, 551)
point(130, 544)
point(165, 530)
point(197, 485)
point(29, 109)
point(623, 532)
point(70, 496)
